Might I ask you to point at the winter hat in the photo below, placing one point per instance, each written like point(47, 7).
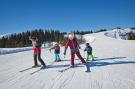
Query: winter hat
point(71, 35)
point(87, 44)
point(56, 43)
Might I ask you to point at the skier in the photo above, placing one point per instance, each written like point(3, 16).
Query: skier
point(37, 51)
point(74, 47)
point(56, 48)
point(89, 52)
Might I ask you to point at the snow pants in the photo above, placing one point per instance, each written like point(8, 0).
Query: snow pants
point(78, 55)
point(57, 56)
point(37, 54)
point(90, 56)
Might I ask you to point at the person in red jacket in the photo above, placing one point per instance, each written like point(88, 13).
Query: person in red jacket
point(74, 47)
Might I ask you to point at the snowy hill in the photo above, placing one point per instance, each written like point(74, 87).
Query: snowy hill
point(112, 69)
point(120, 33)
point(13, 50)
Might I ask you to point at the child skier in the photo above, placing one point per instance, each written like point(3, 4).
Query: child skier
point(74, 47)
point(37, 51)
point(89, 52)
point(56, 48)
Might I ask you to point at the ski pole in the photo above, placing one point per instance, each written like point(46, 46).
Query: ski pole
point(64, 58)
point(50, 51)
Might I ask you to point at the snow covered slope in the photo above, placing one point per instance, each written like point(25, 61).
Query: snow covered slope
point(13, 50)
point(120, 33)
point(113, 68)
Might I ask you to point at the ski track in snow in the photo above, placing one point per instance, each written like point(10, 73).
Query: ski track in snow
point(112, 69)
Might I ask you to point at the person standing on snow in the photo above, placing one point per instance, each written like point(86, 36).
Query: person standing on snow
point(37, 51)
point(89, 52)
point(74, 47)
point(56, 48)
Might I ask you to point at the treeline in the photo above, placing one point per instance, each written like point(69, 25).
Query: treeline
point(88, 32)
point(82, 32)
point(22, 39)
point(50, 35)
point(101, 30)
point(131, 36)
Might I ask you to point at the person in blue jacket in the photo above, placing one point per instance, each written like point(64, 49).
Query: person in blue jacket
point(88, 49)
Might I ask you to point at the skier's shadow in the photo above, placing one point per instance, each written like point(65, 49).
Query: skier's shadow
point(105, 62)
point(63, 65)
point(67, 60)
point(110, 58)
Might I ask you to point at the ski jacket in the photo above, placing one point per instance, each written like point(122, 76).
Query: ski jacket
point(88, 49)
point(36, 43)
point(56, 48)
point(73, 45)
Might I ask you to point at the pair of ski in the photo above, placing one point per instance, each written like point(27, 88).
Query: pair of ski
point(29, 68)
point(62, 70)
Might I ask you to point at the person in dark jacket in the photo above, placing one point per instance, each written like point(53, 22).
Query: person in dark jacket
point(74, 47)
point(36, 43)
point(56, 48)
point(88, 49)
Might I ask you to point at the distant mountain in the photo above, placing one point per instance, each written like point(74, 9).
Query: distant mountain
point(119, 33)
point(3, 35)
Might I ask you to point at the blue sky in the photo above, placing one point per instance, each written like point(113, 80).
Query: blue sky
point(65, 15)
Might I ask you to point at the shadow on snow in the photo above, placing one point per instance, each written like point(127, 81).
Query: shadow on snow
point(105, 62)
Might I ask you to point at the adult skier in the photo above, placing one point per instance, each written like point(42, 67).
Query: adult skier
point(74, 47)
point(36, 43)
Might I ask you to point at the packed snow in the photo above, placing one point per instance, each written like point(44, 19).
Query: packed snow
point(113, 68)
